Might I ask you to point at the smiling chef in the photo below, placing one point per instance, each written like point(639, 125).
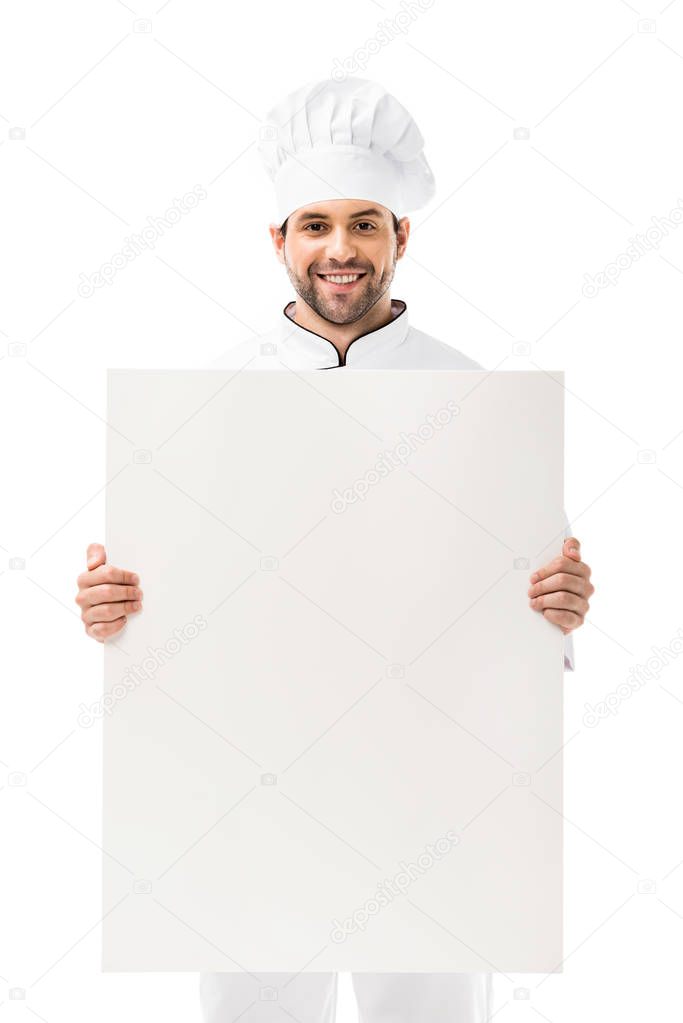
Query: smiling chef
point(347, 163)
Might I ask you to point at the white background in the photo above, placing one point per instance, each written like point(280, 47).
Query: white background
point(116, 124)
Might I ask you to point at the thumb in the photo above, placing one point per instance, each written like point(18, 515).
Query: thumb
point(571, 548)
point(96, 555)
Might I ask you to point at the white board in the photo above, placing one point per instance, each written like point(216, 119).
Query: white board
point(332, 739)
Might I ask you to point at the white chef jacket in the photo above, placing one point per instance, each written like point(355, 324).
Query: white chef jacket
point(396, 345)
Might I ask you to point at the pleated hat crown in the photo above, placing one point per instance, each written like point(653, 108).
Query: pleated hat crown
point(344, 140)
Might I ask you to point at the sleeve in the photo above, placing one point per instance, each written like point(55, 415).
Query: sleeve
point(568, 639)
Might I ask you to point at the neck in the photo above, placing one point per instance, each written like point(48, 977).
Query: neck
point(342, 334)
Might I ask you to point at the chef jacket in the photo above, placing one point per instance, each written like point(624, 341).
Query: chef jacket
point(396, 345)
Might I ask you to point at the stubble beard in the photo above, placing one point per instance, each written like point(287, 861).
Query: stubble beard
point(341, 308)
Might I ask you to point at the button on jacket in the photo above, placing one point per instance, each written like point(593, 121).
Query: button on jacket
point(396, 345)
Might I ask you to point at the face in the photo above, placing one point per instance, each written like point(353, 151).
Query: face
point(341, 237)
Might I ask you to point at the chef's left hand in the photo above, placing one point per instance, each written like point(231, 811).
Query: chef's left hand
point(560, 590)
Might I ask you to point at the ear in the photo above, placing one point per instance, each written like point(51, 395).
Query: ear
point(278, 241)
point(402, 236)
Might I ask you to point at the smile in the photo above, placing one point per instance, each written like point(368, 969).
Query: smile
point(341, 282)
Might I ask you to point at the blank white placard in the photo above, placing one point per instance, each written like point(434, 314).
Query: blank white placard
point(332, 739)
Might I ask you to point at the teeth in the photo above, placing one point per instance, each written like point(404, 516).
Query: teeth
point(346, 279)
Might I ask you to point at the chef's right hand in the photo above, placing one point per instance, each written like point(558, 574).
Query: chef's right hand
point(106, 595)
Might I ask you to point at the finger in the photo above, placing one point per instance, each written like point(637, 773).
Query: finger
point(110, 612)
point(107, 594)
point(561, 600)
point(95, 555)
point(572, 548)
point(561, 564)
point(107, 574)
point(567, 620)
point(102, 630)
point(578, 584)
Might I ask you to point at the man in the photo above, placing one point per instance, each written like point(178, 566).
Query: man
point(347, 163)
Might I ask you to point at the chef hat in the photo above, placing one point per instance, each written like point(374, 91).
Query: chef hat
point(344, 140)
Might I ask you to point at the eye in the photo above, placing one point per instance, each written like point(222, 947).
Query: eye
point(360, 223)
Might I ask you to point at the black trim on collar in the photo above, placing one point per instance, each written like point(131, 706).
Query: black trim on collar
point(340, 364)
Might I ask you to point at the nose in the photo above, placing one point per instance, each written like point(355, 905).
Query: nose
point(341, 245)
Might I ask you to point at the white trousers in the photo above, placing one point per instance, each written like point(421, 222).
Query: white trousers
point(312, 997)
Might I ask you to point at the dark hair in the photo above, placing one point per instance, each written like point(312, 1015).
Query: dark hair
point(283, 228)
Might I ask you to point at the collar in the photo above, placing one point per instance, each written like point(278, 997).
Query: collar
point(316, 352)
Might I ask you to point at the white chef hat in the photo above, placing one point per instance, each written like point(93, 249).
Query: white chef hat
point(344, 140)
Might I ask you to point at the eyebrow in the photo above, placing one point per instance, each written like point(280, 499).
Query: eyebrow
point(370, 212)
